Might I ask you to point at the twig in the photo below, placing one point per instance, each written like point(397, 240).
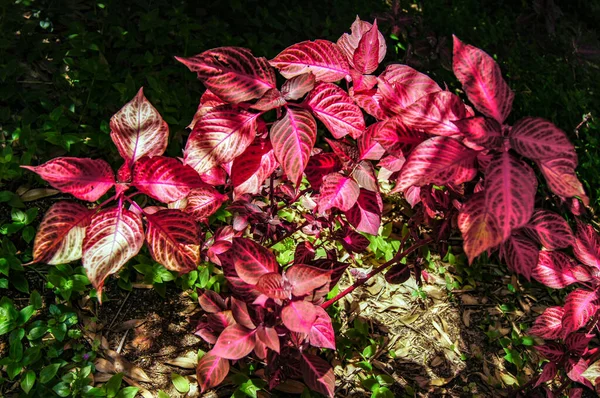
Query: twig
point(120, 347)
point(119, 311)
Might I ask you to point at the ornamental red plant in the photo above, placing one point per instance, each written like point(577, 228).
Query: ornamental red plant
point(256, 140)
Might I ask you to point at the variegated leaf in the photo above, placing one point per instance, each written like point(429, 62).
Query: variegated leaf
point(587, 245)
point(580, 305)
point(370, 51)
point(561, 178)
point(520, 254)
point(481, 131)
point(204, 202)
point(318, 374)
point(211, 371)
point(235, 342)
point(338, 191)
point(550, 229)
point(349, 44)
point(539, 139)
point(548, 325)
point(368, 146)
point(396, 137)
point(251, 260)
point(479, 227)
point(298, 86)
point(555, 269)
point(365, 215)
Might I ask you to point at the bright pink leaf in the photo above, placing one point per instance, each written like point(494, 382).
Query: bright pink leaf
point(371, 102)
point(396, 137)
point(269, 337)
point(365, 215)
point(439, 160)
point(401, 86)
point(561, 178)
point(219, 137)
point(321, 57)
point(235, 342)
point(252, 260)
point(293, 138)
point(211, 371)
point(554, 269)
point(59, 238)
point(548, 325)
point(298, 86)
point(203, 202)
point(580, 306)
point(346, 152)
point(479, 227)
point(575, 368)
point(272, 285)
point(368, 146)
point(482, 80)
point(539, 139)
point(332, 105)
point(318, 374)
point(232, 73)
point(271, 100)
point(138, 130)
point(86, 179)
point(299, 316)
point(520, 254)
point(370, 51)
point(510, 186)
point(550, 229)
point(249, 163)
point(349, 44)
point(587, 245)
point(481, 131)
point(268, 164)
point(173, 240)
point(114, 236)
point(208, 101)
point(215, 176)
point(240, 313)
point(339, 192)
point(164, 178)
point(362, 82)
point(322, 334)
point(304, 278)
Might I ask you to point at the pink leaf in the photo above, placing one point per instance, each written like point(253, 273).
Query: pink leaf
point(552, 351)
point(364, 175)
point(304, 278)
point(539, 139)
point(371, 102)
point(349, 43)
point(561, 178)
point(86, 179)
point(219, 137)
point(408, 86)
point(272, 285)
point(339, 192)
point(207, 102)
point(203, 202)
point(575, 368)
point(550, 370)
point(579, 307)
point(482, 80)
point(249, 163)
point(365, 215)
point(548, 325)
point(298, 86)
point(587, 245)
point(520, 254)
point(138, 130)
point(332, 105)
point(322, 334)
point(319, 166)
point(396, 138)
point(211, 371)
point(479, 227)
point(268, 164)
point(368, 146)
point(577, 343)
point(240, 313)
point(211, 302)
point(293, 138)
point(439, 160)
point(271, 100)
point(321, 57)
point(550, 229)
point(164, 179)
point(269, 337)
point(435, 114)
point(370, 51)
point(554, 269)
point(232, 73)
point(173, 240)
point(59, 238)
point(481, 131)
point(215, 176)
point(318, 374)
point(235, 342)
point(114, 236)
point(299, 316)
point(510, 187)
point(252, 260)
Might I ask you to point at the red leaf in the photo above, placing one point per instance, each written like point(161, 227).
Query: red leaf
point(114, 236)
point(322, 334)
point(235, 342)
point(370, 51)
point(299, 316)
point(211, 302)
point(203, 202)
point(482, 81)
point(304, 253)
point(332, 106)
point(371, 102)
point(173, 240)
point(365, 215)
point(575, 368)
point(304, 278)
point(364, 175)
point(510, 187)
point(439, 160)
point(579, 307)
point(396, 138)
point(215, 176)
point(272, 285)
point(293, 138)
point(435, 114)
point(550, 370)
point(354, 242)
point(207, 102)
point(548, 325)
point(321, 57)
point(368, 146)
point(339, 192)
point(539, 139)
point(401, 86)
point(298, 86)
point(211, 371)
point(479, 226)
point(59, 238)
point(554, 269)
point(552, 351)
point(269, 337)
point(164, 179)
point(271, 100)
point(318, 374)
point(561, 178)
point(240, 313)
point(319, 166)
point(577, 343)
point(520, 254)
point(232, 73)
point(268, 164)
point(252, 260)
point(398, 274)
point(86, 179)
point(481, 131)
point(587, 245)
point(347, 153)
point(138, 130)
point(220, 136)
point(249, 163)
point(550, 229)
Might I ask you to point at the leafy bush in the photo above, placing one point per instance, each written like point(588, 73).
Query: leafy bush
point(256, 140)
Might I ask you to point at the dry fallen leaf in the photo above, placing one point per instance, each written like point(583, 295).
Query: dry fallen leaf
point(38, 193)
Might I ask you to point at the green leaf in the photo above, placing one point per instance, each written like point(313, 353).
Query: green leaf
point(113, 385)
point(48, 372)
point(15, 350)
point(27, 381)
point(20, 282)
point(37, 332)
point(3, 283)
point(128, 392)
point(592, 372)
point(35, 300)
point(162, 394)
point(62, 389)
point(181, 383)
point(25, 314)
point(13, 370)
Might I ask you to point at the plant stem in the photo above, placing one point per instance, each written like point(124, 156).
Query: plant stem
point(399, 256)
point(292, 232)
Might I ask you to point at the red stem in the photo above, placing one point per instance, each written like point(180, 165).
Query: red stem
point(399, 256)
point(293, 231)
